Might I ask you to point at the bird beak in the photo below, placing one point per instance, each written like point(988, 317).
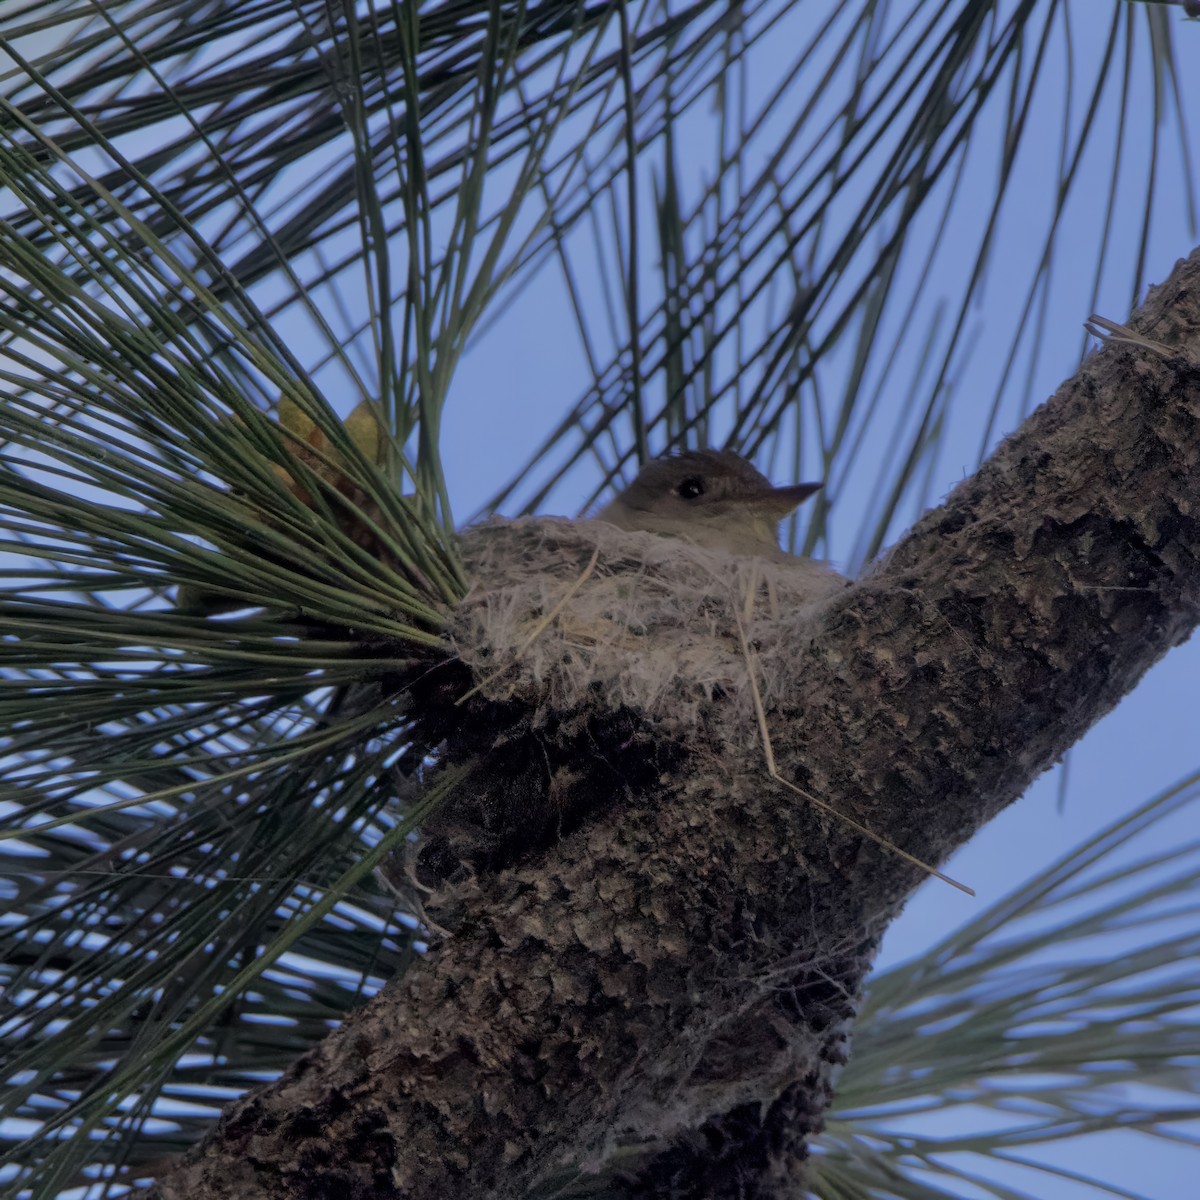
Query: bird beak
point(780, 501)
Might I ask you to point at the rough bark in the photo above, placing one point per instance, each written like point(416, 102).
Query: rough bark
point(677, 977)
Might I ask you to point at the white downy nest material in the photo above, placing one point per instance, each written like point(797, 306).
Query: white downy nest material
point(652, 626)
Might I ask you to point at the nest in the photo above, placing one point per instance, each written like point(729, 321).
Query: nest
point(597, 660)
point(652, 625)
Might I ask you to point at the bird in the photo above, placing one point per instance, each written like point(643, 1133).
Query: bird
point(715, 499)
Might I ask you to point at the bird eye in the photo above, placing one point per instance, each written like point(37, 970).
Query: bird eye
point(690, 488)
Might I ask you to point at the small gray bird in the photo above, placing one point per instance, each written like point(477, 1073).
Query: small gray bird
point(714, 498)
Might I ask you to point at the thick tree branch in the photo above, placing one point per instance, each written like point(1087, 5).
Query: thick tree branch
point(678, 976)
